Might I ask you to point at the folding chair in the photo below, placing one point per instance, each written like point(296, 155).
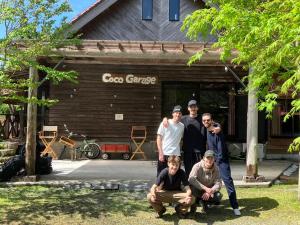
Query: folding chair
point(138, 136)
point(48, 136)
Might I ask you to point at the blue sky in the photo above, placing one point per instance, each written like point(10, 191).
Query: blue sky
point(78, 6)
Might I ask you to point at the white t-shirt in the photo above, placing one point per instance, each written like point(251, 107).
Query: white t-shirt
point(171, 137)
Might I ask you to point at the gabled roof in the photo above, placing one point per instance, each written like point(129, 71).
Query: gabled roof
point(93, 11)
point(90, 13)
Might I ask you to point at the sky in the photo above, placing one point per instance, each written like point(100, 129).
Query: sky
point(78, 7)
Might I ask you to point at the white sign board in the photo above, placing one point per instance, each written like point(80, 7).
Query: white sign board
point(118, 116)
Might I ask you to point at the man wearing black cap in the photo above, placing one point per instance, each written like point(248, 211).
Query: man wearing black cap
point(194, 137)
point(168, 139)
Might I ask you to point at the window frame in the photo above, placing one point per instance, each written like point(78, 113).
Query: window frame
point(147, 6)
point(174, 5)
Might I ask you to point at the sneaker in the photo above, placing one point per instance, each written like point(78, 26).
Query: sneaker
point(160, 214)
point(179, 212)
point(237, 212)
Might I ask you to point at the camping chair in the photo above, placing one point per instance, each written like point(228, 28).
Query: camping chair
point(48, 136)
point(138, 136)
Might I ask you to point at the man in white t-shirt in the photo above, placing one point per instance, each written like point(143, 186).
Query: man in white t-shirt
point(168, 138)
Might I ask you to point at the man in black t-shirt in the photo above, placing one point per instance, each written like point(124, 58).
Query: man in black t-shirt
point(168, 189)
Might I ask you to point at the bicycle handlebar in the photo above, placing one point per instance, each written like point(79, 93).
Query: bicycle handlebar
point(70, 133)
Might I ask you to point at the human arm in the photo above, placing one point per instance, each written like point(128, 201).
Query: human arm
point(159, 148)
point(216, 128)
point(217, 180)
point(189, 197)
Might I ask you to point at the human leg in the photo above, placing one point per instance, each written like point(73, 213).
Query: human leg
point(225, 173)
point(190, 160)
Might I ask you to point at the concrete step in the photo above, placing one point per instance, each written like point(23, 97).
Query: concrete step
point(7, 152)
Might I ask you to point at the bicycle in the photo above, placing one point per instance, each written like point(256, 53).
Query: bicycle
point(87, 147)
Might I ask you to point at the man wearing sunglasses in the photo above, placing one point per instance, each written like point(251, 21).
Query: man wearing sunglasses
point(216, 142)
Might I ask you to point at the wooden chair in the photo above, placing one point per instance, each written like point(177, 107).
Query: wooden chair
point(48, 136)
point(138, 137)
point(67, 142)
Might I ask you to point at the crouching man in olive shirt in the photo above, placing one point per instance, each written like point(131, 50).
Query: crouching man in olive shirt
point(167, 189)
point(205, 182)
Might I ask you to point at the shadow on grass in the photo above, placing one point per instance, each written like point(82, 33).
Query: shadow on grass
point(30, 203)
point(249, 207)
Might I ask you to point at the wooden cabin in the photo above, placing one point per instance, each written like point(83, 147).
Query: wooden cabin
point(132, 67)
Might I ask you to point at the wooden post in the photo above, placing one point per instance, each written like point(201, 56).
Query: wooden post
point(252, 135)
point(31, 124)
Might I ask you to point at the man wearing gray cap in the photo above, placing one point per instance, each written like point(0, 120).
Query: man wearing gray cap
point(168, 139)
point(205, 181)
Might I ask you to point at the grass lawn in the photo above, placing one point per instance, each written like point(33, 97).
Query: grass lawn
point(41, 205)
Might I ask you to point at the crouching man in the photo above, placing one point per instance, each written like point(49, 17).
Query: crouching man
point(167, 189)
point(205, 182)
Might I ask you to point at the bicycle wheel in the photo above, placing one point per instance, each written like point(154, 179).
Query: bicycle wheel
point(91, 150)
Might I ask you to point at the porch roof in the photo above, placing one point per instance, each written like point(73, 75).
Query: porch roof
point(139, 52)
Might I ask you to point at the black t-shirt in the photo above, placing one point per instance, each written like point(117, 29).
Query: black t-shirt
point(172, 183)
point(194, 137)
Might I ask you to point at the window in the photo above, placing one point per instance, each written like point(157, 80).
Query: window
point(290, 128)
point(147, 9)
point(174, 9)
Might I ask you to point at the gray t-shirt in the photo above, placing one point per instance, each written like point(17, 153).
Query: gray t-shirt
point(171, 137)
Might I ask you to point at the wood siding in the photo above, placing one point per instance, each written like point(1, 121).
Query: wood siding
point(123, 21)
point(90, 106)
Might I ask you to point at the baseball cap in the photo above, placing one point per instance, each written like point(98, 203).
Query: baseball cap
point(209, 153)
point(192, 102)
point(177, 108)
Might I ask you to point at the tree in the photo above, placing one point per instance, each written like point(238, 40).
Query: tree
point(32, 31)
point(266, 35)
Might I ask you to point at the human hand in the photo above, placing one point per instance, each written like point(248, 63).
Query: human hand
point(161, 158)
point(216, 130)
point(188, 200)
point(165, 122)
point(205, 196)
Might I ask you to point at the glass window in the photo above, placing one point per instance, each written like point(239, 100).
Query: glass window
point(290, 128)
point(211, 97)
point(174, 9)
point(147, 9)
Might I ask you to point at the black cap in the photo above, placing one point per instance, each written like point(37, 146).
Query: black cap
point(209, 153)
point(192, 102)
point(177, 108)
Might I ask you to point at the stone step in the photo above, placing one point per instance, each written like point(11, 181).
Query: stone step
point(5, 158)
point(7, 152)
point(9, 144)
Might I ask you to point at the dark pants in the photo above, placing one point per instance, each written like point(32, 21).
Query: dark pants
point(216, 199)
point(225, 173)
point(190, 160)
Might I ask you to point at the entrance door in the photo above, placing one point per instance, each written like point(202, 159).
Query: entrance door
point(211, 97)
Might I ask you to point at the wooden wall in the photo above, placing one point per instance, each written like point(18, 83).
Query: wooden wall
point(123, 21)
point(90, 106)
